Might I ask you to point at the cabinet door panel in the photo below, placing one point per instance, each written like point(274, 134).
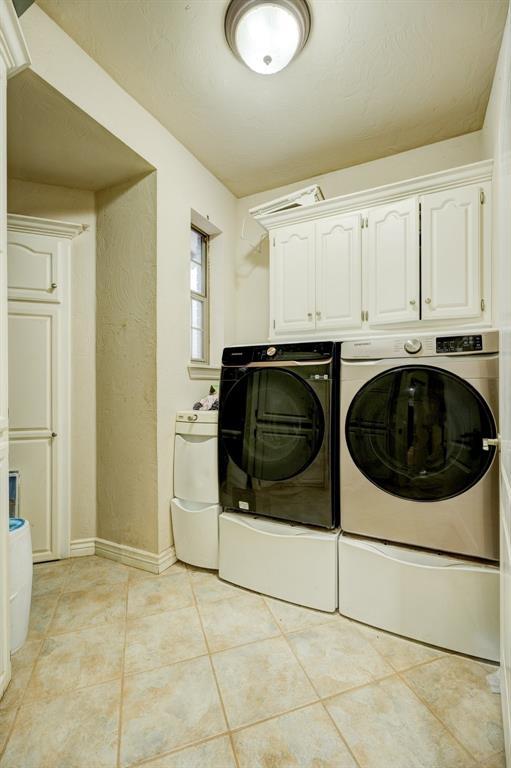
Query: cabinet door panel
point(33, 266)
point(293, 301)
point(393, 262)
point(451, 254)
point(338, 272)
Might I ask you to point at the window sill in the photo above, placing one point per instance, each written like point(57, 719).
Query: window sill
point(203, 371)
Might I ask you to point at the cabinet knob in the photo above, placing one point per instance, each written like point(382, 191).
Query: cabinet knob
point(54, 434)
point(309, 315)
point(318, 315)
point(412, 302)
point(53, 286)
point(428, 300)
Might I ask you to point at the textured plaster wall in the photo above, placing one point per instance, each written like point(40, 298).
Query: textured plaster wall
point(252, 254)
point(182, 184)
point(127, 489)
point(78, 206)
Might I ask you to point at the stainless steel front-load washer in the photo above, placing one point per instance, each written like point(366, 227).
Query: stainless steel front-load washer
point(416, 464)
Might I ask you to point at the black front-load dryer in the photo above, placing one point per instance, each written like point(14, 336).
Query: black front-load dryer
point(278, 432)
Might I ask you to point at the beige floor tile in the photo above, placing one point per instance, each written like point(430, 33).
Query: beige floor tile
point(41, 613)
point(165, 593)
point(50, 577)
point(22, 664)
point(77, 730)
point(138, 573)
point(216, 753)
point(162, 639)
point(209, 588)
point(260, 680)
point(303, 739)
point(26, 655)
point(90, 572)
point(77, 659)
point(167, 708)
point(237, 620)
point(89, 607)
point(457, 691)
point(496, 761)
point(337, 657)
point(398, 651)
point(386, 726)
point(292, 617)
point(6, 720)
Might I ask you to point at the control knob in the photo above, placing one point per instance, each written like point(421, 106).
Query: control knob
point(412, 346)
point(270, 352)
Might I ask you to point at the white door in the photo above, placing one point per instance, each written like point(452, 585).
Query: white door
point(393, 262)
point(339, 272)
point(293, 275)
point(33, 419)
point(34, 265)
point(451, 253)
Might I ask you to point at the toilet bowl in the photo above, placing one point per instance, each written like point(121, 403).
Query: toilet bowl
point(20, 580)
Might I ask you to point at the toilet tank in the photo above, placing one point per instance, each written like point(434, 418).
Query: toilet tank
point(195, 456)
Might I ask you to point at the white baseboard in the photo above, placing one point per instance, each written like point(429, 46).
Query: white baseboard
point(137, 558)
point(82, 547)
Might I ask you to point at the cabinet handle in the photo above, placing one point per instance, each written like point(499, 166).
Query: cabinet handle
point(309, 315)
point(428, 300)
point(54, 434)
point(53, 286)
point(412, 302)
point(318, 315)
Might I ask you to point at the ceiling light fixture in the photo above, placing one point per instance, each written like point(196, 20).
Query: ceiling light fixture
point(267, 34)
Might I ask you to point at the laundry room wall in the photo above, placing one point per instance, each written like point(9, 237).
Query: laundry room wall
point(182, 185)
point(76, 205)
point(252, 254)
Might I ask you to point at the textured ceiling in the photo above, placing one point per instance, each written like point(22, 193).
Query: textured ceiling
point(375, 78)
point(51, 141)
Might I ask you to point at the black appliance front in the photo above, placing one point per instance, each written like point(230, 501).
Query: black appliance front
point(278, 432)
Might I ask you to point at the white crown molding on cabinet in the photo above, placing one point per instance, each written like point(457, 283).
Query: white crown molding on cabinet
point(13, 48)
point(37, 226)
point(434, 182)
point(137, 558)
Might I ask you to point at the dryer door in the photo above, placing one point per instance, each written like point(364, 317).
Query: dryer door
point(416, 432)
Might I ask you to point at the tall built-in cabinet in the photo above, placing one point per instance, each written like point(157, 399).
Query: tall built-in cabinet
point(13, 58)
point(407, 256)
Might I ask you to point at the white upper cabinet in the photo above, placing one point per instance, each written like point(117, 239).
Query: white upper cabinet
point(393, 262)
point(292, 281)
point(451, 253)
point(338, 272)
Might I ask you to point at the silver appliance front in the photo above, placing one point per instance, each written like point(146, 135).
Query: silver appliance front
point(414, 414)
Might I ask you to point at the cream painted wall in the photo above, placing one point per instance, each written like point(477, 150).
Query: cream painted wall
point(126, 364)
point(78, 206)
point(497, 144)
point(252, 256)
point(183, 184)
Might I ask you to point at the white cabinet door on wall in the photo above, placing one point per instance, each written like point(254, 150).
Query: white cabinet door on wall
point(292, 280)
point(451, 253)
point(33, 419)
point(338, 272)
point(392, 268)
point(34, 266)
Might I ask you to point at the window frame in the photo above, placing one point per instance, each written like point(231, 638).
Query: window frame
point(203, 298)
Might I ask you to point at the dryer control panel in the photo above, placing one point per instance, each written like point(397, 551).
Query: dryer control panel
point(451, 344)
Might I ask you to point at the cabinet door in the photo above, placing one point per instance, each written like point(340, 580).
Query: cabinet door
point(33, 266)
point(393, 262)
point(292, 283)
point(338, 272)
point(451, 254)
point(33, 371)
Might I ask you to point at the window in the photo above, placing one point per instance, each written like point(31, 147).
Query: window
point(199, 296)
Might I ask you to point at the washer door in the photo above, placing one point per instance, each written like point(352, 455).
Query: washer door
point(272, 424)
point(416, 432)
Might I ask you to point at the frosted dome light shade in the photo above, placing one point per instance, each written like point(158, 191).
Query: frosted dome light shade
point(267, 38)
point(267, 34)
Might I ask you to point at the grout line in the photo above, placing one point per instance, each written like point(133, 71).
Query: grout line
point(121, 693)
point(213, 671)
point(182, 748)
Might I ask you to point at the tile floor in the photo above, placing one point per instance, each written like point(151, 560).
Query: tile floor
point(182, 670)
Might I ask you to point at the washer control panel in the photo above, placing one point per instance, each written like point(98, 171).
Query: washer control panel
point(412, 346)
point(459, 344)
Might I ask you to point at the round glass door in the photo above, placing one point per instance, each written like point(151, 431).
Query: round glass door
point(416, 432)
point(272, 424)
